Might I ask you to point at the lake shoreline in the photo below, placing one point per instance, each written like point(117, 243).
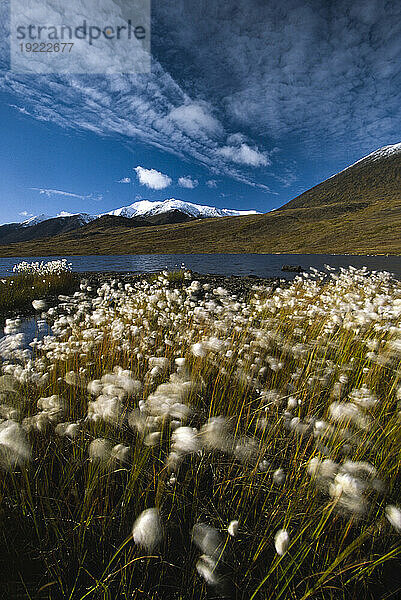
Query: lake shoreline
point(261, 265)
point(234, 284)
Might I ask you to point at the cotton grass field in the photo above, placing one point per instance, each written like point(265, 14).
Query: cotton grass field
point(173, 441)
point(31, 280)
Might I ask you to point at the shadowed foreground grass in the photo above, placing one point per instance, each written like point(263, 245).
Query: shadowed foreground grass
point(280, 412)
point(18, 291)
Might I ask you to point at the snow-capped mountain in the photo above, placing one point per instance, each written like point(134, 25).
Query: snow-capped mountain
point(378, 155)
point(372, 180)
point(84, 217)
point(34, 220)
point(147, 208)
point(383, 152)
point(138, 214)
point(356, 211)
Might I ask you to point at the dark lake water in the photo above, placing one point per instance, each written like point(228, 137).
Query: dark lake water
point(263, 265)
point(32, 328)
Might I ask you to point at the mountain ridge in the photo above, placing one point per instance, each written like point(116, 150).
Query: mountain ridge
point(146, 208)
point(141, 213)
point(151, 207)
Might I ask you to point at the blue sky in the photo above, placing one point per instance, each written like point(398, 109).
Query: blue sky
point(248, 104)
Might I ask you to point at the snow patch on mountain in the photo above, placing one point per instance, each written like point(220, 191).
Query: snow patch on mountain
point(384, 152)
point(35, 220)
point(84, 217)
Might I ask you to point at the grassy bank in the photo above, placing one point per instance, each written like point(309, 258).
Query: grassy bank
point(18, 291)
point(176, 441)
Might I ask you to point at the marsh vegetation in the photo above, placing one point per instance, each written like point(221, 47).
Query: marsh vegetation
point(181, 441)
point(34, 280)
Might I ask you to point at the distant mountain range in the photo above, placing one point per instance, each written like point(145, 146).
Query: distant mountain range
point(139, 214)
point(356, 211)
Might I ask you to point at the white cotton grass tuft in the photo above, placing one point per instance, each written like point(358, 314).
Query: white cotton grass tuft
point(9, 412)
point(147, 531)
point(14, 448)
point(42, 268)
point(120, 453)
point(323, 471)
point(168, 401)
point(206, 567)
point(350, 484)
point(227, 343)
point(70, 430)
point(100, 450)
point(39, 304)
point(199, 350)
point(52, 407)
point(233, 528)
point(263, 466)
point(279, 476)
point(105, 408)
point(152, 439)
point(343, 412)
point(185, 440)
point(393, 515)
point(246, 449)
point(216, 434)
point(281, 541)
point(74, 379)
point(210, 543)
point(207, 538)
point(159, 362)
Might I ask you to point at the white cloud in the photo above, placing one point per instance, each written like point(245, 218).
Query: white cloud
point(25, 213)
point(155, 180)
point(245, 155)
point(65, 213)
point(20, 109)
point(51, 192)
point(236, 138)
point(195, 119)
point(153, 109)
point(188, 182)
point(124, 180)
point(212, 183)
point(326, 75)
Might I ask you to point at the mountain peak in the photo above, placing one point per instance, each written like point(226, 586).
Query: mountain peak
point(372, 180)
point(34, 220)
point(388, 150)
point(379, 154)
point(153, 207)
